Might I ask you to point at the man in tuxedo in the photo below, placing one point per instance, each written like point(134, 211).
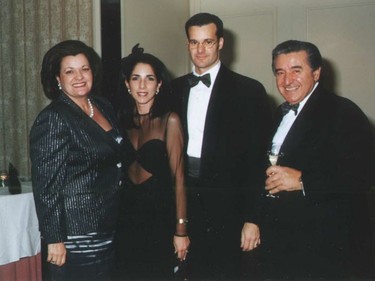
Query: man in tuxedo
point(226, 119)
point(316, 222)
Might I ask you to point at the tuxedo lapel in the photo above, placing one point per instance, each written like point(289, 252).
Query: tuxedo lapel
point(211, 122)
point(218, 120)
point(185, 102)
point(215, 110)
point(304, 128)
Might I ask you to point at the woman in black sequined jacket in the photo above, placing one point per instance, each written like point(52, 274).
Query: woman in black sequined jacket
point(76, 168)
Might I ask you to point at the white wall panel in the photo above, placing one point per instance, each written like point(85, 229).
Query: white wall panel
point(249, 38)
point(344, 31)
point(346, 36)
point(158, 25)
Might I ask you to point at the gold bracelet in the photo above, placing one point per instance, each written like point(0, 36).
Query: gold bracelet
point(182, 221)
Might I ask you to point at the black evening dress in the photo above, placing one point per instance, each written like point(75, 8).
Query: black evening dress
point(153, 160)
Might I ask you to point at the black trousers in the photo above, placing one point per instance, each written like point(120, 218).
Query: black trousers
point(215, 232)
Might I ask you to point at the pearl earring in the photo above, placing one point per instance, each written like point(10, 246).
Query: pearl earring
point(157, 92)
point(59, 85)
point(129, 91)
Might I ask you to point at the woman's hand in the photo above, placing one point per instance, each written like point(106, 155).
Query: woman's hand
point(181, 246)
point(56, 254)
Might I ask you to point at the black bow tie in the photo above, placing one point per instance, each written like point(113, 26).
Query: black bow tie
point(286, 107)
point(194, 80)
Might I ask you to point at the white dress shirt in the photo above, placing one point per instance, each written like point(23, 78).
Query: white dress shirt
point(286, 124)
point(196, 112)
point(288, 121)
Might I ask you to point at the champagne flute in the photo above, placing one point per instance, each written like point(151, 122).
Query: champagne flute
point(273, 156)
point(3, 179)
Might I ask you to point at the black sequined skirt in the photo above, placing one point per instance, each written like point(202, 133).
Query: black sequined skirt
point(89, 257)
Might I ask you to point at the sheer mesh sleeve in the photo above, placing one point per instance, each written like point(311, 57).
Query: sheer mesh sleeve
point(175, 145)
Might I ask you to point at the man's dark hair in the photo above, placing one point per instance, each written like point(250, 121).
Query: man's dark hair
point(204, 19)
point(313, 55)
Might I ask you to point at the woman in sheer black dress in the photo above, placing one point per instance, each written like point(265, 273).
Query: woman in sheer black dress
point(153, 217)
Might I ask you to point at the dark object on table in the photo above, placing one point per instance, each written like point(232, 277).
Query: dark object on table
point(13, 181)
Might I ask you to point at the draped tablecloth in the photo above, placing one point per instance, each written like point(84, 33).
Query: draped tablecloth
point(19, 233)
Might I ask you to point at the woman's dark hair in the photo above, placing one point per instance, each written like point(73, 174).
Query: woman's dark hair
point(52, 63)
point(313, 55)
point(204, 19)
point(162, 101)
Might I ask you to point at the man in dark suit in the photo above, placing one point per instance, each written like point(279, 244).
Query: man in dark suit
point(316, 222)
point(226, 119)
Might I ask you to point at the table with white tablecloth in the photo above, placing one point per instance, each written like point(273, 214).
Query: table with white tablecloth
point(19, 234)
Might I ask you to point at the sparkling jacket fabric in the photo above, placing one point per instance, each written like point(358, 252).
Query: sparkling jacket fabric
point(76, 170)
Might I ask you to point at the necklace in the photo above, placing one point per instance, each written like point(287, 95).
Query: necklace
point(91, 115)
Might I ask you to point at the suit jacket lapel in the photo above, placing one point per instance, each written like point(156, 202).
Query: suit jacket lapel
point(211, 136)
point(185, 101)
point(300, 131)
point(70, 110)
point(212, 123)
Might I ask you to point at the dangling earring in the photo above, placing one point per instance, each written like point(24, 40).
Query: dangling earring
point(59, 85)
point(129, 91)
point(157, 92)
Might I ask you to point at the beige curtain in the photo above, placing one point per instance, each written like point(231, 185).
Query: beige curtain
point(28, 28)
